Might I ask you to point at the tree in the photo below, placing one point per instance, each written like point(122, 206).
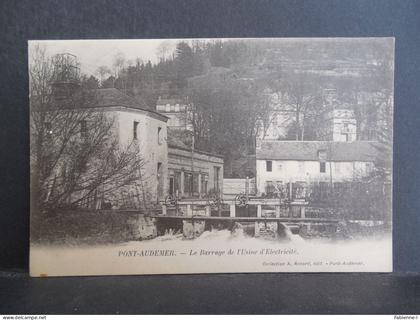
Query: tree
point(76, 159)
point(224, 112)
point(301, 94)
point(108, 83)
point(163, 50)
point(102, 71)
point(184, 66)
point(90, 83)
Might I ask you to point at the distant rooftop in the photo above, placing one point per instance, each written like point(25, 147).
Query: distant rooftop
point(106, 97)
point(113, 97)
point(308, 150)
point(170, 101)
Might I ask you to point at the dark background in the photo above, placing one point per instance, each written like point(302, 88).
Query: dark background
point(96, 19)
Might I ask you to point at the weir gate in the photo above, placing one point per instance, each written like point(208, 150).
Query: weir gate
point(255, 216)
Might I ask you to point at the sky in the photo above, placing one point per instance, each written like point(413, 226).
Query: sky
point(94, 53)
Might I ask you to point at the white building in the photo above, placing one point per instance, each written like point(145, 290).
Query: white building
point(176, 111)
point(193, 174)
point(136, 127)
point(337, 125)
point(148, 130)
point(305, 162)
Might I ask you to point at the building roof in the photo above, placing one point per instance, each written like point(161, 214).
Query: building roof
point(112, 97)
point(171, 101)
point(308, 150)
point(196, 151)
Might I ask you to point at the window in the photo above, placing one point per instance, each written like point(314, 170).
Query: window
point(48, 128)
point(159, 168)
point(269, 165)
point(135, 126)
point(204, 180)
point(195, 183)
point(322, 155)
point(188, 184)
point(159, 179)
point(159, 135)
point(177, 182)
point(216, 178)
point(83, 128)
point(171, 185)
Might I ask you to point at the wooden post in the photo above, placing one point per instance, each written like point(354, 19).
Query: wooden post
point(189, 210)
point(257, 229)
point(302, 212)
point(290, 197)
point(199, 185)
point(290, 191)
point(182, 182)
point(257, 224)
point(219, 206)
point(232, 210)
point(247, 189)
point(177, 205)
point(278, 211)
point(164, 211)
point(208, 211)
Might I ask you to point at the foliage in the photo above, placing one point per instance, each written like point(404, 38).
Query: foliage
point(354, 200)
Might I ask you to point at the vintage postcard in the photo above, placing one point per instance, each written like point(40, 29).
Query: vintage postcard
point(211, 155)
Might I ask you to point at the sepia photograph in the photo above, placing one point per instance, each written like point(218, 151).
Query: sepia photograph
point(169, 156)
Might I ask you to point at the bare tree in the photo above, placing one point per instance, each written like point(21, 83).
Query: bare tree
point(76, 158)
point(118, 63)
point(164, 50)
point(102, 71)
point(224, 113)
point(301, 93)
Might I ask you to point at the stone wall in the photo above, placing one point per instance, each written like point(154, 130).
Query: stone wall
point(75, 227)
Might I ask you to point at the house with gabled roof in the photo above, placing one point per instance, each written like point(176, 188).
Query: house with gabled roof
point(133, 126)
point(304, 162)
point(134, 122)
